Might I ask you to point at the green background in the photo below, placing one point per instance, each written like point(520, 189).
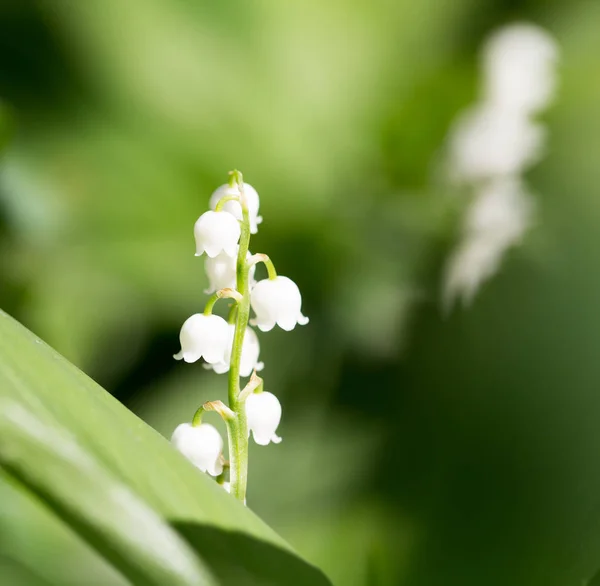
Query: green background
point(419, 449)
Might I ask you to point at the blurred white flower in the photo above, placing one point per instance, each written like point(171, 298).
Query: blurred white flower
point(216, 232)
point(519, 64)
point(277, 301)
point(250, 353)
point(498, 219)
point(492, 145)
point(487, 141)
point(234, 208)
point(221, 272)
point(202, 445)
point(264, 414)
point(204, 336)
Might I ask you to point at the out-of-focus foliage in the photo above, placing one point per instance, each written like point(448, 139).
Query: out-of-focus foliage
point(68, 444)
point(418, 449)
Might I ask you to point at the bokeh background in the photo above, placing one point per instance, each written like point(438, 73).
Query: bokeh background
point(422, 446)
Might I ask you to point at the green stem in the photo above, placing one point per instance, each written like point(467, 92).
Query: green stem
point(224, 200)
point(197, 419)
point(238, 428)
point(222, 293)
point(256, 258)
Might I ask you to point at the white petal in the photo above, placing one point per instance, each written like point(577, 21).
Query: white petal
point(302, 320)
point(204, 336)
point(263, 326)
point(287, 323)
point(220, 367)
point(264, 414)
point(277, 301)
point(250, 352)
point(216, 232)
point(202, 445)
point(234, 208)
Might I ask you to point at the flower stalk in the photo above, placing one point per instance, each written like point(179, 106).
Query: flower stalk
point(223, 236)
point(238, 430)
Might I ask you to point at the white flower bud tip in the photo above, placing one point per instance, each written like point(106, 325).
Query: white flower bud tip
point(277, 301)
point(202, 445)
point(264, 414)
point(216, 232)
point(234, 208)
point(250, 353)
point(204, 336)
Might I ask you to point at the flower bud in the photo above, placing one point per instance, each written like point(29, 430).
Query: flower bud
point(234, 208)
point(204, 336)
point(277, 301)
point(250, 353)
point(222, 274)
point(264, 414)
point(202, 445)
point(216, 232)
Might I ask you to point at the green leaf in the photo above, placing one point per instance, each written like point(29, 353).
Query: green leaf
point(118, 485)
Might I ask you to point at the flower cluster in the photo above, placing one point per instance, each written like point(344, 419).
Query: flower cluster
point(490, 147)
point(222, 236)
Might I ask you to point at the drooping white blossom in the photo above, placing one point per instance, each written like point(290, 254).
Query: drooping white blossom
point(216, 232)
point(487, 142)
point(221, 272)
point(498, 219)
point(518, 68)
point(204, 336)
point(234, 208)
point(250, 353)
point(202, 445)
point(264, 414)
point(490, 148)
point(277, 301)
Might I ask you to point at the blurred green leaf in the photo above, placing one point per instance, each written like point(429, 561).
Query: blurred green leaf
point(120, 486)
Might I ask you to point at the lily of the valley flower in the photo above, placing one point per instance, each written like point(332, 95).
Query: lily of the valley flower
point(204, 336)
point(221, 272)
point(490, 142)
point(277, 301)
point(216, 232)
point(250, 353)
point(234, 208)
point(519, 62)
point(264, 414)
point(202, 445)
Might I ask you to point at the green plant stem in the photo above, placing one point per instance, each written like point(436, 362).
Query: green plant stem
point(238, 428)
point(224, 200)
point(256, 258)
point(222, 293)
point(211, 303)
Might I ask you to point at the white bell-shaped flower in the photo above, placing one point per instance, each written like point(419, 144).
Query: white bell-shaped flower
point(250, 353)
point(264, 414)
point(221, 272)
point(234, 208)
point(202, 445)
point(204, 336)
point(519, 68)
point(491, 142)
point(216, 232)
point(277, 301)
